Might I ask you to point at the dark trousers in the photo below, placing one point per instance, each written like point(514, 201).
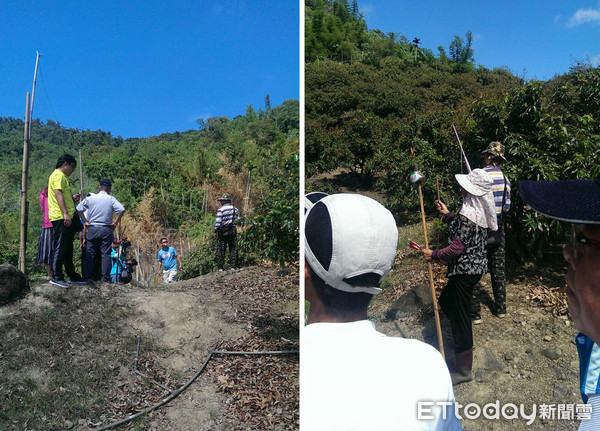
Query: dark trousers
point(62, 251)
point(496, 255)
point(96, 271)
point(222, 243)
point(455, 301)
point(99, 240)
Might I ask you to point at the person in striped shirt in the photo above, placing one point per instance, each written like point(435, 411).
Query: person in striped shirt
point(226, 232)
point(493, 157)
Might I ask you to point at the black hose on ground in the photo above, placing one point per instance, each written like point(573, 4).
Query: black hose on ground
point(175, 393)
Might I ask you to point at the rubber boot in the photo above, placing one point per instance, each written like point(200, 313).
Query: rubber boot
point(463, 363)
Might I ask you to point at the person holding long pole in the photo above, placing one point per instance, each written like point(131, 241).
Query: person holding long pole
point(467, 262)
point(418, 179)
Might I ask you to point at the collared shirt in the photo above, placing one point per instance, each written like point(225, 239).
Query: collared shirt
point(59, 181)
point(498, 187)
point(589, 379)
point(100, 208)
point(589, 366)
point(355, 378)
point(226, 215)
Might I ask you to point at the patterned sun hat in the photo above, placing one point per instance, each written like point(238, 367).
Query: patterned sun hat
point(495, 149)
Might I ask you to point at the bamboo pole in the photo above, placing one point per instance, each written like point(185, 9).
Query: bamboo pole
point(438, 326)
point(80, 175)
point(24, 174)
point(461, 150)
point(247, 195)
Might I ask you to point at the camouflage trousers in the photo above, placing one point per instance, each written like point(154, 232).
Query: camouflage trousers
point(223, 242)
point(496, 255)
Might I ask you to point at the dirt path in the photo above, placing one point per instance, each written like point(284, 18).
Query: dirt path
point(67, 356)
point(187, 322)
point(191, 317)
point(527, 358)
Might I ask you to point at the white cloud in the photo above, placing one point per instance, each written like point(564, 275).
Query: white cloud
point(596, 60)
point(584, 16)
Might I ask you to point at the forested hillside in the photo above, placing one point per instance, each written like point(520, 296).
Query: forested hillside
point(371, 96)
point(169, 183)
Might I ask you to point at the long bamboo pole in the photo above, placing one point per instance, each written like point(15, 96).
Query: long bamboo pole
point(80, 175)
point(37, 62)
point(438, 326)
point(24, 203)
point(461, 150)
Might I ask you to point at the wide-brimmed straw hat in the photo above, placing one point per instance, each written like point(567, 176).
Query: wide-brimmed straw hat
point(477, 182)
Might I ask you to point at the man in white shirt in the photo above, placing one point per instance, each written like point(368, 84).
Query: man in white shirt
point(96, 211)
point(353, 377)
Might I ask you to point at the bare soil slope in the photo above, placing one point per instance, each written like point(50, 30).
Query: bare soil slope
point(528, 358)
point(82, 344)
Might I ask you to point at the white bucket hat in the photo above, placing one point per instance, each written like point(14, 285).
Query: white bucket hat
point(477, 182)
point(478, 206)
point(347, 235)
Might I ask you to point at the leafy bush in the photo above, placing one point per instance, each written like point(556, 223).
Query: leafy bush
point(199, 261)
point(274, 233)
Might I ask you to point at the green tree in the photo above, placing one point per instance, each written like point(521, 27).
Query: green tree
point(461, 51)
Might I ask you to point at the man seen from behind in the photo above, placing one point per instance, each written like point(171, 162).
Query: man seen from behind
point(353, 377)
point(97, 211)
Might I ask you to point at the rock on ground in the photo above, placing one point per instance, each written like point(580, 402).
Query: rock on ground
point(13, 284)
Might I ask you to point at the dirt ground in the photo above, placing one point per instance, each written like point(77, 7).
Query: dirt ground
point(528, 358)
point(192, 317)
point(253, 309)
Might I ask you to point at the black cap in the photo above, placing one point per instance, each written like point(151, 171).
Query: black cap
point(573, 201)
point(106, 183)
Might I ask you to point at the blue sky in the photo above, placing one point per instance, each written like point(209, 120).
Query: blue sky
point(141, 68)
point(534, 39)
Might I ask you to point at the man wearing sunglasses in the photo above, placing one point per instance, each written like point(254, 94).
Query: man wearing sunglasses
point(168, 261)
point(578, 202)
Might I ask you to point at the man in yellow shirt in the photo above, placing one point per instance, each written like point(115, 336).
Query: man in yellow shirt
point(61, 209)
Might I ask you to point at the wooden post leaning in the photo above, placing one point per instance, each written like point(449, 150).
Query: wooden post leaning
point(438, 326)
point(24, 203)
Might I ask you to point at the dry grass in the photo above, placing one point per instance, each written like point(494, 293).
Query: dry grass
point(58, 352)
